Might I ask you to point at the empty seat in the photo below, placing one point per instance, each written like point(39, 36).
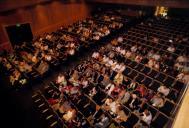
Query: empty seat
point(167, 108)
point(99, 97)
point(133, 74)
point(161, 77)
point(133, 64)
point(160, 121)
point(145, 70)
point(155, 85)
point(173, 96)
point(147, 81)
point(139, 67)
point(131, 121)
point(153, 111)
point(178, 86)
point(140, 77)
point(127, 71)
point(127, 61)
point(153, 73)
point(168, 81)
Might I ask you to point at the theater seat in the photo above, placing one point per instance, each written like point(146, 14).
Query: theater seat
point(133, 64)
point(145, 70)
point(167, 108)
point(133, 74)
point(155, 85)
point(178, 86)
point(153, 111)
point(168, 81)
point(127, 71)
point(153, 73)
point(131, 121)
point(160, 121)
point(139, 67)
point(147, 81)
point(161, 77)
point(139, 78)
point(173, 95)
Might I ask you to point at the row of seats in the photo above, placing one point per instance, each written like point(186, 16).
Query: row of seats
point(51, 118)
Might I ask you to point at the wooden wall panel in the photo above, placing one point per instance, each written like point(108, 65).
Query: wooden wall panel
point(43, 17)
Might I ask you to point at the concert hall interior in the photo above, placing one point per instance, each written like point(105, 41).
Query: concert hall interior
point(94, 63)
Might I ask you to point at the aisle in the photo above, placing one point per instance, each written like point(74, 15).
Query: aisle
point(182, 119)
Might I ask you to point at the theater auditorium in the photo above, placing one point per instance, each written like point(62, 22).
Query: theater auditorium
point(94, 63)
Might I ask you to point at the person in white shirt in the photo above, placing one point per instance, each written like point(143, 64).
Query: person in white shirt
point(116, 67)
point(171, 48)
point(84, 82)
point(113, 107)
point(122, 67)
point(96, 55)
point(122, 51)
point(134, 48)
point(120, 39)
point(156, 56)
point(71, 52)
point(110, 87)
point(164, 90)
point(146, 116)
point(118, 49)
point(109, 63)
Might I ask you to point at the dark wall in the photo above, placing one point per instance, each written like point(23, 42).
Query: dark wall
point(179, 12)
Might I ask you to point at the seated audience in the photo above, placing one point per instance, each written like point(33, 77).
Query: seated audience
point(104, 122)
point(157, 101)
point(146, 116)
point(164, 90)
point(118, 78)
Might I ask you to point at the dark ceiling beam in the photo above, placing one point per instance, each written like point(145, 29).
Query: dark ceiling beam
point(165, 3)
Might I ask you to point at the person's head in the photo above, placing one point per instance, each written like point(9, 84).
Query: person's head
point(146, 112)
point(134, 96)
